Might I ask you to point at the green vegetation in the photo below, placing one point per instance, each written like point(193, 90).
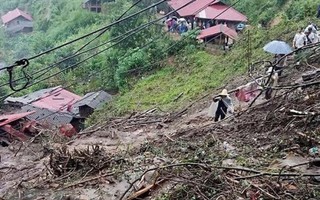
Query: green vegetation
point(187, 71)
point(195, 73)
point(63, 21)
point(261, 11)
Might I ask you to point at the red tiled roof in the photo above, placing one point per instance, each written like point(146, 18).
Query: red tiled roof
point(213, 12)
point(58, 99)
point(193, 8)
point(212, 31)
point(6, 119)
point(11, 15)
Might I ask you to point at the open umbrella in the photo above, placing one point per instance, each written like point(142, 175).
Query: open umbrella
point(277, 47)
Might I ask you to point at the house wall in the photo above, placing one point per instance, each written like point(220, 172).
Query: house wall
point(209, 23)
point(18, 21)
point(19, 24)
point(230, 24)
point(85, 111)
point(93, 5)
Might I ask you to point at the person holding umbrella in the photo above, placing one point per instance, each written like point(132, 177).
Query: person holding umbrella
point(280, 49)
point(280, 63)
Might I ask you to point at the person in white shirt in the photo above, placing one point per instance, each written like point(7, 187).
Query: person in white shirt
point(301, 40)
point(309, 36)
point(312, 37)
point(297, 39)
point(311, 27)
point(315, 38)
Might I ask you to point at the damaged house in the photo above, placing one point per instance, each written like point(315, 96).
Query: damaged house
point(14, 126)
point(57, 107)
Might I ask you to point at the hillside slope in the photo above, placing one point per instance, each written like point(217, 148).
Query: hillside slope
point(160, 151)
point(262, 152)
point(64, 21)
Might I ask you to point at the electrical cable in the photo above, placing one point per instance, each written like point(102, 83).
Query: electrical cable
point(76, 64)
point(88, 34)
point(137, 49)
point(77, 54)
point(98, 72)
point(103, 31)
point(88, 50)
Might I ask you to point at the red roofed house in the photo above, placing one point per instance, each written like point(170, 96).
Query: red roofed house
point(217, 20)
point(52, 106)
point(221, 13)
point(208, 13)
point(219, 34)
point(59, 107)
point(16, 21)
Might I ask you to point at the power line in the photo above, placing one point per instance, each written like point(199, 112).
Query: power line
point(77, 54)
point(80, 53)
point(131, 32)
point(103, 31)
point(101, 70)
point(88, 34)
point(137, 49)
point(76, 64)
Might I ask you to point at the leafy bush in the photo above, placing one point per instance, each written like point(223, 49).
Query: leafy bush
point(301, 9)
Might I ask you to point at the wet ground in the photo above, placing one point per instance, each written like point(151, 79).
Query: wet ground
point(256, 138)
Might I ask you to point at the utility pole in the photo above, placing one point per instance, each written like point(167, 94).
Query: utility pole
point(249, 50)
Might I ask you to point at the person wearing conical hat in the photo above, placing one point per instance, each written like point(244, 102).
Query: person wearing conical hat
point(224, 105)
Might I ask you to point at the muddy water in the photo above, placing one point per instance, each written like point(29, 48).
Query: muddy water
point(19, 174)
point(17, 169)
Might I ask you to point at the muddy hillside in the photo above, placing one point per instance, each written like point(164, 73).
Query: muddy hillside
point(267, 149)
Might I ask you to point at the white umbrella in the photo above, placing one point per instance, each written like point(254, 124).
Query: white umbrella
point(277, 47)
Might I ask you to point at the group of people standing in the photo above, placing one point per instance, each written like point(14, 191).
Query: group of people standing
point(306, 36)
point(176, 25)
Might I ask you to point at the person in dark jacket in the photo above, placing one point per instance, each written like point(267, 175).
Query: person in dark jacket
point(224, 103)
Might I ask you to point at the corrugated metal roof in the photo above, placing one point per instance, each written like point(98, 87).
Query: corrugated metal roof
point(58, 100)
point(6, 119)
point(221, 11)
point(13, 14)
point(29, 98)
point(192, 9)
point(93, 100)
point(55, 99)
point(46, 116)
point(220, 28)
